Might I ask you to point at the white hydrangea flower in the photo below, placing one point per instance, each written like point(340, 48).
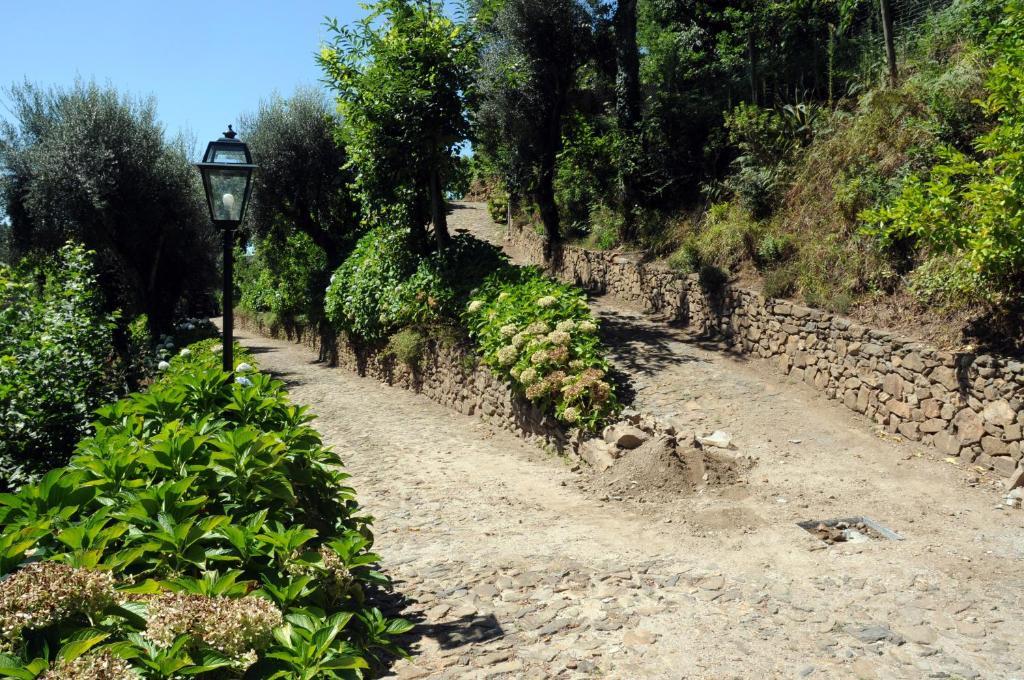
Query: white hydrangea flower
point(217, 349)
point(502, 295)
point(571, 415)
point(559, 337)
point(546, 301)
point(567, 326)
point(508, 330)
point(163, 366)
point(507, 355)
point(520, 339)
point(588, 326)
point(243, 367)
point(528, 376)
point(185, 352)
point(243, 381)
point(475, 306)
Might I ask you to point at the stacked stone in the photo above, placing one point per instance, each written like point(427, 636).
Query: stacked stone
point(964, 405)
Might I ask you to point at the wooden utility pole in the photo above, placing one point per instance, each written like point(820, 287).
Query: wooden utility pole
point(890, 43)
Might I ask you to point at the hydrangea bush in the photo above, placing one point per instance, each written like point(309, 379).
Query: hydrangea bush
point(56, 362)
point(541, 335)
point(204, 531)
point(537, 333)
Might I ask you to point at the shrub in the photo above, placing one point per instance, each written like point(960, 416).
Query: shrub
point(382, 286)
point(497, 206)
point(56, 362)
point(971, 207)
point(780, 282)
point(363, 298)
point(285, 277)
point(203, 531)
point(541, 335)
point(407, 346)
point(686, 259)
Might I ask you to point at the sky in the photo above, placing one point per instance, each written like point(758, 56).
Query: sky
point(205, 62)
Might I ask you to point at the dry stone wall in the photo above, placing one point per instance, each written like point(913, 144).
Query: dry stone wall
point(964, 405)
point(447, 373)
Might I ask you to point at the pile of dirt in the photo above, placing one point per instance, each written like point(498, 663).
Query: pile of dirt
point(660, 469)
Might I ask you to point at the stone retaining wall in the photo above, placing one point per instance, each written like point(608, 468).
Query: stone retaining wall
point(965, 405)
point(447, 373)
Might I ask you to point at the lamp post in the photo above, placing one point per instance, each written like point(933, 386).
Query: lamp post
point(227, 180)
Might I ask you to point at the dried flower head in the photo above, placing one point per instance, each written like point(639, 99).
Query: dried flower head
point(537, 390)
point(546, 301)
point(559, 337)
point(92, 666)
point(43, 593)
point(539, 357)
point(508, 330)
point(475, 306)
point(520, 339)
point(538, 328)
point(333, 576)
point(587, 326)
point(235, 627)
point(558, 355)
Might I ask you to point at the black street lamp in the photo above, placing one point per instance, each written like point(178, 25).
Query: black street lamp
point(227, 180)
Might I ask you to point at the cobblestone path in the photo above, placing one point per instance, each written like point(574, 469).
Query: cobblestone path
point(515, 566)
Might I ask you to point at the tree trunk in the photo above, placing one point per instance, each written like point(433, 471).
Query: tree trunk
point(438, 216)
point(890, 41)
point(752, 59)
point(628, 112)
point(545, 197)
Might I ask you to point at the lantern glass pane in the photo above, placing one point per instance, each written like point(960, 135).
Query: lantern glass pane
point(225, 154)
point(227, 189)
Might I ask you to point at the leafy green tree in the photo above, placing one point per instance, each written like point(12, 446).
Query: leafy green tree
point(531, 53)
point(303, 183)
point(399, 75)
point(86, 164)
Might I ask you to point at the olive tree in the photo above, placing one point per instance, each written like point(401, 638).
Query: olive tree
point(88, 165)
point(303, 183)
point(531, 52)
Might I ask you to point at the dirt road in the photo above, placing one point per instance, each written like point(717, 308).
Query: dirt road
point(516, 566)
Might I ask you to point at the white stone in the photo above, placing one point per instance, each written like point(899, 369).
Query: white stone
point(718, 439)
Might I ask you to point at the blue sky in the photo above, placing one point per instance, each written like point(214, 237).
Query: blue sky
point(205, 62)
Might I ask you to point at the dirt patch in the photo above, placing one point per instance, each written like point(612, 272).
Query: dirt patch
point(660, 469)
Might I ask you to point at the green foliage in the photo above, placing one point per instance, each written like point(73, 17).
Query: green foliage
point(780, 282)
point(286, 279)
point(399, 75)
point(532, 50)
point(303, 185)
point(383, 286)
point(540, 334)
point(585, 178)
point(364, 298)
point(497, 206)
point(56, 362)
point(203, 531)
point(407, 345)
point(972, 207)
point(88, 165)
